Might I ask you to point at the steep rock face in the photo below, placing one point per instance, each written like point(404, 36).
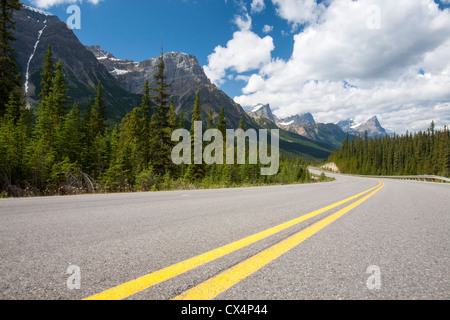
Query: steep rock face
point(185, 75)
point(298, 118)
point(373, 128)
point(262, 111)
point(35, 30)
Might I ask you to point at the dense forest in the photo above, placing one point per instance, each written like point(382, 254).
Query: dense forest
point(421, 153)
point(56, 149)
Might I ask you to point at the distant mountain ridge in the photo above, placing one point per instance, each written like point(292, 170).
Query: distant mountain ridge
point(297, 119)
point(301, 124)
point(306, 126)
point(371, 126)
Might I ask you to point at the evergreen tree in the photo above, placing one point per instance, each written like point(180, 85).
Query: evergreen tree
point(96, 137)
point(70, 136)
point(221, 124)
point(210, 120)
point(16, 104)
point(160, 129)
point(8, 66)
point(46, 151)
point(97, 115)
point(144, 143)
point(242, 124)
point(14, 135)
point(172, 119)
point(195, 171)
point(47, 74)
point(181, 120)
point(424, 153)
point(59, 98)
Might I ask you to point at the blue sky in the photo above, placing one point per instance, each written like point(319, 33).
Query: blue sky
point(334, 58)
point(135, 29)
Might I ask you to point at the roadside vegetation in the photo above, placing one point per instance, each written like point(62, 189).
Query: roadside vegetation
point(59, 150)
point(421, 153)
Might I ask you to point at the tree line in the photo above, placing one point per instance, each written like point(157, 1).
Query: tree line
point(62, 150)
point(422, 153)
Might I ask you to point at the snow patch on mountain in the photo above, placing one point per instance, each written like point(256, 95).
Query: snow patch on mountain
point(119, 71)
point(27, 74)
point(37, 10)
point(256, 108)
point(287, 123)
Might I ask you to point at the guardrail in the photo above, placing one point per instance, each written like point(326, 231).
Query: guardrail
point(423, 177)
point(419, 177)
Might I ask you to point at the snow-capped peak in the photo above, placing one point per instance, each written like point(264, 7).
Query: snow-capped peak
point(36, 10)
point(257, 107)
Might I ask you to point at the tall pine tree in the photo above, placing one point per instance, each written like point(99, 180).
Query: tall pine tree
point(161, 130)
point(195, 171)
point(8, 65)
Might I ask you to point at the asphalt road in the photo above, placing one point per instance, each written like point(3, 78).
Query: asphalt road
point(392, 245)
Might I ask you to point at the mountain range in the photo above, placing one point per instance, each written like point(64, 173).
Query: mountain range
point(185, 76)
point(123, 82)
point(372, 126)
point(306, 126)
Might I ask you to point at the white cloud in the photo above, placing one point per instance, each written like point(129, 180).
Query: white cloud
point(298, 12)
point(257, 6)
point(382, 65)
point(46, 4)
point(243, 22)
point(246, 51)
point(267, 28)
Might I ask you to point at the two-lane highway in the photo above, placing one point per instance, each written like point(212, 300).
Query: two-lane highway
point(313, 241)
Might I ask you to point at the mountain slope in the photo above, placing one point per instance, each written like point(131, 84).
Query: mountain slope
point(35, 30)
point(186, 77)
point(326, 133)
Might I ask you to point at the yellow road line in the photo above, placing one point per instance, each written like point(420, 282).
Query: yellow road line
point(213, 287)
point(127, 289)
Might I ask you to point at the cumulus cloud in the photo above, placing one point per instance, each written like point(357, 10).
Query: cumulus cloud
point(267, 28)
point(246, 51)
point(46, 4)
point(298, 12)
point(340, 67)
point(257, 6)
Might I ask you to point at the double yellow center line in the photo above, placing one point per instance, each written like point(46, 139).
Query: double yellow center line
point(218, 284)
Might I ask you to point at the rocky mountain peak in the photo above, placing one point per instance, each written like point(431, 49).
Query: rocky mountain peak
point(180, 69)
point(183, 72)
point(297, 119)
point(100, 54)
point(262, 111)
point(372, 126)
